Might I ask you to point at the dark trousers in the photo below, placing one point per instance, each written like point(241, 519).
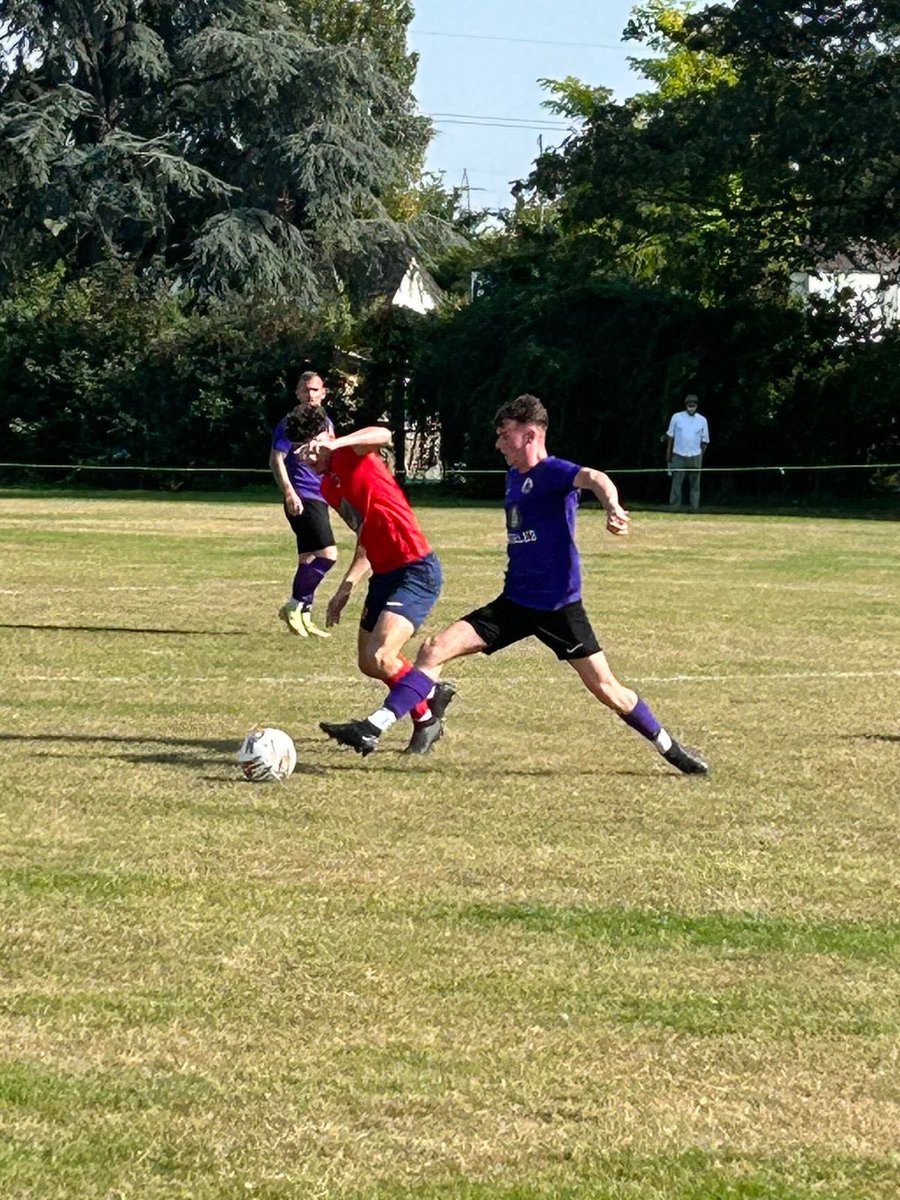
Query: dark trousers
point(685, 465)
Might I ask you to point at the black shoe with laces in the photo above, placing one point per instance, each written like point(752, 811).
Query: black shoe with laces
point(443, 694)
point(687, 761)
point(361, 735)
point(424, 736)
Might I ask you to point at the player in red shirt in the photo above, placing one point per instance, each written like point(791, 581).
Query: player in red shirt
point(406, 573)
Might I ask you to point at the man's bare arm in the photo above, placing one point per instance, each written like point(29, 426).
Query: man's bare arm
point(372, 437)
point(357, 571)
point(278, 469)
point(617, 519)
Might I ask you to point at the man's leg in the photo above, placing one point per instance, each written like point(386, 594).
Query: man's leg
point(677, 488)
point(380, 656)
point(312, 570)
point(454, 642)
point(316, 555)
point(695, 483)
point(381, 653)
point(411, 688)
point(597, 677)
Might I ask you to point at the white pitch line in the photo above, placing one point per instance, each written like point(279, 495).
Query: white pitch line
point(779, 675)
point(232, 584)
point(318, 679)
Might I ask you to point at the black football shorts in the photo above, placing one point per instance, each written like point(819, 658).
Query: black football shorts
point(567, 630)
point(312, 528)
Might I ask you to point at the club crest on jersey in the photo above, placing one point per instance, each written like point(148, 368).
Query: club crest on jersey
point(527, 486)
point(514, 520)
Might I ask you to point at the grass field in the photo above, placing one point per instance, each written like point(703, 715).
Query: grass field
point(538, 965)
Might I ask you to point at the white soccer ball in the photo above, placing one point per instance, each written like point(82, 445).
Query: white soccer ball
point(267, 755)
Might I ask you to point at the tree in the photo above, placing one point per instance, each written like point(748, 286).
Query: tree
point(248, 146)
point(772, 139)
point(653, 249)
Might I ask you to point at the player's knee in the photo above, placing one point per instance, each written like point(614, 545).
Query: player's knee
point(367, 665)
point(429, 654)
point(385, 662)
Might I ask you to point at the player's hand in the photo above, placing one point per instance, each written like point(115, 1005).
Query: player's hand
point(308, 452)
point(293, 503)
point(336, 605)
point(617, 520)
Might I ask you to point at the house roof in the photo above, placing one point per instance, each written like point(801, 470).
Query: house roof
point(862, 258)
point(400, 279)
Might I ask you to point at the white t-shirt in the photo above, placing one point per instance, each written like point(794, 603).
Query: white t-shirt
point(689, 432)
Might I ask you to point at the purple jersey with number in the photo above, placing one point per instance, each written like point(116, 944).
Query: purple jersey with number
point(305, 482)
point(544, 568)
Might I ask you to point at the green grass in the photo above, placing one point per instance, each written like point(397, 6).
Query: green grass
point(537, 965)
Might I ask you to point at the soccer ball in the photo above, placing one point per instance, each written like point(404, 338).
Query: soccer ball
point(266, 755)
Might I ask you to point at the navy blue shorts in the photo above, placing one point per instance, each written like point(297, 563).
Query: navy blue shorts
point(410, 591)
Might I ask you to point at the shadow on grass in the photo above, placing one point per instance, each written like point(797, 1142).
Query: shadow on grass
point(871, 737)
point(409, 763)
point(126, 629)
point(183, 752)
point(178, 752)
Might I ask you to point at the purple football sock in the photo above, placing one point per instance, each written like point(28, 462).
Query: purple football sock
point(406, 694)
point(309, 576)
point(643, 720)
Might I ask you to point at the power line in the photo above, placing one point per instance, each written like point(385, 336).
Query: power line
point(449, 118)
point(509, 175)
point(499, 125)
point(486, 37)
point(484, 117)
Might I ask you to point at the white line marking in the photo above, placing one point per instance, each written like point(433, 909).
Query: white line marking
point(154, 587)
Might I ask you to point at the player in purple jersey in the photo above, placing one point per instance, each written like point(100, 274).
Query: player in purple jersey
point(541, 594)
point(307, 514)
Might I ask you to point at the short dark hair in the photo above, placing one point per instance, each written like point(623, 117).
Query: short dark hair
point(304, 423)
point(525, 409)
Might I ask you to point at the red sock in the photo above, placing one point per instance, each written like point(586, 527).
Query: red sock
point(421, 712)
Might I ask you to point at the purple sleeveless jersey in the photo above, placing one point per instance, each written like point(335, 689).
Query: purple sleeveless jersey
point(544, 568)
point(305, 482)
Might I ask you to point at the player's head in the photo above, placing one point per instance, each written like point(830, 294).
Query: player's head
point(690, 403)
point(304, 423)
point(311, 388)
point(524, 410)
point(521, 427)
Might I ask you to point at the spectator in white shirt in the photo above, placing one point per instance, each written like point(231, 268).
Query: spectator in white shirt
point(686, 441)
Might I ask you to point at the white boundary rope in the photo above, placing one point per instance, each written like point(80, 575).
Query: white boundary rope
point(448, 472)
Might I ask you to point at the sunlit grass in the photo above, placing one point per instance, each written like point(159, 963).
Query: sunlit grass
point(538, 964)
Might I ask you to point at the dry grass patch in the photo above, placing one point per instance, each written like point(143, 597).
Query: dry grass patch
point(537, 964)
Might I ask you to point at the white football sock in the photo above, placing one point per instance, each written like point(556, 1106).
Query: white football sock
point(662, 742)
point(382, 718)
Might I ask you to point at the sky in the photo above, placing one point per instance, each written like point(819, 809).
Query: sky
point(481, 59)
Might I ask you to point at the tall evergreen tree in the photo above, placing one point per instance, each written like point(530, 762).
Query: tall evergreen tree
point(251, 146)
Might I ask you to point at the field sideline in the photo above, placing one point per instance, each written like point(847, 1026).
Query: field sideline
point(537, 965)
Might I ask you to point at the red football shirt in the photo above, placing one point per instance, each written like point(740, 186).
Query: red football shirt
point(389, 531)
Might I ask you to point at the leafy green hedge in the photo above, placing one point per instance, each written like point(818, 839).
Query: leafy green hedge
point(114, 368)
